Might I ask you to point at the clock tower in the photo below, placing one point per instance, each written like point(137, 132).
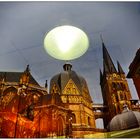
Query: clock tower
point(114, 86)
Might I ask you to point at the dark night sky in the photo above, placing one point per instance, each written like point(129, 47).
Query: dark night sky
point(24, 24)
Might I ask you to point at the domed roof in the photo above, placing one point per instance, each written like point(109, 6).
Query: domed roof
point(62, 79)
point(128, 119)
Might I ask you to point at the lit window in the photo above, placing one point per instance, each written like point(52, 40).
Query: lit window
point(73, 118)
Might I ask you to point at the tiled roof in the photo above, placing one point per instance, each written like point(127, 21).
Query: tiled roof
point(15, 76)
point(62, 79)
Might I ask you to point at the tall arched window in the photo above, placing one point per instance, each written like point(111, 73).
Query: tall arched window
point(60, 127)
point(89, 121)
point(113, 86)
point(118, 86)
point(73, 118)
point(9, 101)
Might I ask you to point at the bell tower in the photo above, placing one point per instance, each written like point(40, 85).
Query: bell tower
point(114, 86)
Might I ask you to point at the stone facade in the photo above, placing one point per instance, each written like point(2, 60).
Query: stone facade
point(28, 111)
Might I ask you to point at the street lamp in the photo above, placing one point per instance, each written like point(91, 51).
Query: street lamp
point(70, 127)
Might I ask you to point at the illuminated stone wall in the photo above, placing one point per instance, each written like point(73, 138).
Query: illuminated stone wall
point(28, 111)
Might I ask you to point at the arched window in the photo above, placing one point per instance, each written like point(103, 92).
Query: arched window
point(113, 86)
point(123, 86)
point(116, 97)
point(118, 86)
point(89, 121)
point(10, 89)
point(60, 127)
point(121, 96)
point(73, 118)
point(10, 99)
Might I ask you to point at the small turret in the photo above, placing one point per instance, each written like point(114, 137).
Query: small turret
point(25, 76)
point(67, 67)
point(3, 77)
point(46, 84)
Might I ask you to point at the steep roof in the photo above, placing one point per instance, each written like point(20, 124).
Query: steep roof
point(107, 60)
point(101, 75)
point(15, 76)
point(62, 79)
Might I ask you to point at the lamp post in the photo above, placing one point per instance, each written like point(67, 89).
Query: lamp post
point(69, 128)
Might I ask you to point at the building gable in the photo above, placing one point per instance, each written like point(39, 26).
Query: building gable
point(71, 88)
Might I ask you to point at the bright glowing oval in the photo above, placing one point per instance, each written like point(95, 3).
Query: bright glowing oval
point(66, 42)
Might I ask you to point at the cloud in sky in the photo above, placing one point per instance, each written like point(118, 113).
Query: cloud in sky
point(24, 24)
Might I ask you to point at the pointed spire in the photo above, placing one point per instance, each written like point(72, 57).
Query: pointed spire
point(46, 84)
point(101, 75)
point(101, 38)
point(103, 45)
point(4, 77)
point(120, 70)
point(27, 69)
point(107, 59)
point(24, 79)
point(106, 70)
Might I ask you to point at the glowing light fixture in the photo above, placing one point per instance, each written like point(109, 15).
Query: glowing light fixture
point(66, 42)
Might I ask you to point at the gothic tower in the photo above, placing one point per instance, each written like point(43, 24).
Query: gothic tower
point(114, 86)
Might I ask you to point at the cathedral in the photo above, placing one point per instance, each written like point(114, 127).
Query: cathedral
point(66, 109)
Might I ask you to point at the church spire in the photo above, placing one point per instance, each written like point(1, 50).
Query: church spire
point(107, 59)
point(105, 70)
point(101, 75)
point(27, 69)
point(120, 70)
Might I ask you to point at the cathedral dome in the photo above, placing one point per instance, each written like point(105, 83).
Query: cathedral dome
point(61, 80)
point(128, 119)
